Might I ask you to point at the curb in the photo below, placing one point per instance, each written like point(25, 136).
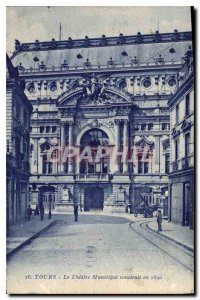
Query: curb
point(28, 241)
point(188, 247)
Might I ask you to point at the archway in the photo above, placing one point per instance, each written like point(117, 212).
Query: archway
point(47, 195)
point(94, 138)
point(93, 198)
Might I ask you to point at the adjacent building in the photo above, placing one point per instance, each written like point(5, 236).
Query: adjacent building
point(181, 177)
point(108, 91)
point(18, 110)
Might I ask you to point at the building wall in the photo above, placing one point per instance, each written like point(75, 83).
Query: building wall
point(139, 92)
point(181, 177)
point(17, 148)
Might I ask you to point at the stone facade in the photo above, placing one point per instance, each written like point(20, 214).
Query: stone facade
point(117, 88)
point(18, 110)
point(181, 177)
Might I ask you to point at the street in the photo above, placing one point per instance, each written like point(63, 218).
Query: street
point(100, 254)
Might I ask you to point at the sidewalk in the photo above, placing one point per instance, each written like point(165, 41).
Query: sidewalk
point(177, 233)
point(22, 233)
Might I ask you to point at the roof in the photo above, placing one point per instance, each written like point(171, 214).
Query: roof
point(11, 71)
point(119, 50)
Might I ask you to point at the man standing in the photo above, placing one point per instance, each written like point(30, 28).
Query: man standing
point(41, 212)
point(29, 212)
point(159, 220)
point(76, 212)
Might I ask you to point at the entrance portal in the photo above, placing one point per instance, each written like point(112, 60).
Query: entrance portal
point(47, 196)
point(93, 199)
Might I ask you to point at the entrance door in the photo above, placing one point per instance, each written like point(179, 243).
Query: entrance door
point(93, 199)
point(47, 196)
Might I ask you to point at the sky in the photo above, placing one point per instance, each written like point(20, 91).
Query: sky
point(27, 23)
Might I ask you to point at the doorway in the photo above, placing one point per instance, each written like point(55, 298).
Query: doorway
point(93, 199)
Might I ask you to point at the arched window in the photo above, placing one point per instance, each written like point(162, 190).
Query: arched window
point(93, 139)
point(48, 165)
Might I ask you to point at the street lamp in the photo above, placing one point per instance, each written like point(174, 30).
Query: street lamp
point(131, 189)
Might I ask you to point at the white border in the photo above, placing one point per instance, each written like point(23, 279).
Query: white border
point(3, 5)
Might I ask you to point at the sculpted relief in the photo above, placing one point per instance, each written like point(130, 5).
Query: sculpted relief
point(93, 91)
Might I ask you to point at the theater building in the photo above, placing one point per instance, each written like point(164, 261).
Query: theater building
point(108, 91)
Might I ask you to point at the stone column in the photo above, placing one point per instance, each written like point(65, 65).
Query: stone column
point(62, 144)
point(117, 132)
point(156, 153)
point(70, 160)
point(78, 162)
point(125, 146)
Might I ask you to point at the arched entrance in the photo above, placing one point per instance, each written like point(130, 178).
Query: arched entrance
point(93, 198)
point(47, 196)
point(94, 138)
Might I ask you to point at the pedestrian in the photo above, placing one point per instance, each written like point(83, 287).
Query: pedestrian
point(76, 212)
point(29, 212)
point(36, 213)
point(159, 220)
point(41, 212)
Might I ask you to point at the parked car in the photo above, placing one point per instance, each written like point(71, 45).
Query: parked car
point(146, 211)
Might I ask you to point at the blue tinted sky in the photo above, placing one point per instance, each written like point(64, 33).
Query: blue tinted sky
point(30, 23)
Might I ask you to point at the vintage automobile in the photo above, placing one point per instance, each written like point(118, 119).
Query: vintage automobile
point(146, 211)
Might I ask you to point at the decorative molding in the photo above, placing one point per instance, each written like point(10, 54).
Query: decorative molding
point(95, 124)
point(175, 132)
point(144, 142)
point(166, 144)
point(103, 41)
point(186, 125)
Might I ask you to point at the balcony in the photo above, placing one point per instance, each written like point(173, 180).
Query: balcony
point(188, 162)
point(93, 177)
point(185, 163)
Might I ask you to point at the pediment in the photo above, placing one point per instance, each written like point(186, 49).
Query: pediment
point(143, 142)
point(47, 144)
point(82, 96)
point(175, 132)
point(185, 125)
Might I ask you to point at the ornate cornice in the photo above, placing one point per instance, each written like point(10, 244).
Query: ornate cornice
point(103, 41)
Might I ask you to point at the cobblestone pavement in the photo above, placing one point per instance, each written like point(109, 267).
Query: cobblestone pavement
point(98, 254)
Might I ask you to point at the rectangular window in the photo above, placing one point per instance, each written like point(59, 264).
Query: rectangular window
point(164, 126)
point(140, 171)
point(187, 105)
point(44, 164)
point(187, 144)
point(41, 129)
point(167, 161)
point(53, 128)
point(143, 166)
point(47, 129)
point(176, 149)
point(47, 167)
point(146, 167)
point(136, 127)
point(143, 126)
point(177, 113)
point(150, 126)
point(50, 170)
